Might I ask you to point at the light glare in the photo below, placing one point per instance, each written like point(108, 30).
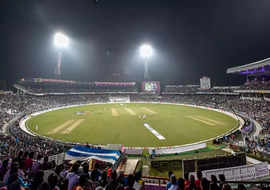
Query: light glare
point(146, 51)
point(61, 40)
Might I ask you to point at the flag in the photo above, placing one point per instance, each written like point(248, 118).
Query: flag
point(79, 152)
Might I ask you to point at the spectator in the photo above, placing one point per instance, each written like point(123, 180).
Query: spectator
point(81, 184)
point(95, 173)
point(181, 183)
point(192, 185)
point(222, 180)
point(38, 180)
point(85, 172)
point(139, 183)
point(187, 182)
point(45, 165)
point(227, 187)
point(44, 186)
point(198, 182)
point(28, 163)
point(130, 182)
point(15, 186)
point(241, 187)
point(170, 173)
point(113, 184)
point(103, 181)
point(3, 169)
point(174, 185)
point(213, 183)
point(72, 176)
point(37, 164)
point(53, 182)
point(205, 184)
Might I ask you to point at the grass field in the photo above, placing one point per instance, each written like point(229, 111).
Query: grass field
point(125, 124)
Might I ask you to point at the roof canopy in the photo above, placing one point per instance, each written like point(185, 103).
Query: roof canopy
point(256, 67)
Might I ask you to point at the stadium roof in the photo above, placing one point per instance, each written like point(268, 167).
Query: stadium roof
point(244, 69)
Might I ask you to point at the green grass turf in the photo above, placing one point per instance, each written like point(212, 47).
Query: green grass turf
point(100, 127)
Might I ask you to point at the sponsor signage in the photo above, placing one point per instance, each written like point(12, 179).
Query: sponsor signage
point(115, 83)
point(253, 91)
point(240, 173)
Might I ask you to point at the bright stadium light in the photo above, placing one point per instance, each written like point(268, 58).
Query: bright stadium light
point(146, 51)
point(61, 40)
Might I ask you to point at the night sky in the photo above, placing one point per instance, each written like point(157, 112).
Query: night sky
point(191, 38)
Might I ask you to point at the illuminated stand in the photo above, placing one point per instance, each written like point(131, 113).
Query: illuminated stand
point(258, 71)
point(61, 42)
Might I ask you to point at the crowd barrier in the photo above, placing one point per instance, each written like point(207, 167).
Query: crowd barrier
point(214, 162)
point(155, 182)
point(177, 149)
point(58, 158)
point(133, 151)
point(239, 173)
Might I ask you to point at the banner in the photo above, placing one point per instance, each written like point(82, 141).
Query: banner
point(83, 152)
point(177, 150)
point(251, 98)
point(253, 91)
point(240, 173)
point(38, 80)
point(115, 83)
point(267, 99)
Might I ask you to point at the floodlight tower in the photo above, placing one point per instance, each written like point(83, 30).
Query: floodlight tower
point(61, 42)
point(146, 53)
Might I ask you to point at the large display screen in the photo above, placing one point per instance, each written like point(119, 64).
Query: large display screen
point(151, 86)
point(205, 83)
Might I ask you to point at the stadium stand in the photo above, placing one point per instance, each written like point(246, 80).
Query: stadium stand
point(27, 161)
point(182, 89)
point(53, 86)
point(257, 75)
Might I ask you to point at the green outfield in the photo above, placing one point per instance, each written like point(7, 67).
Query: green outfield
point(126, 124)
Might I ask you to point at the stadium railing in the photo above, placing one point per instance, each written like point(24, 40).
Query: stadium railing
point(161, 181)
point(249, 184)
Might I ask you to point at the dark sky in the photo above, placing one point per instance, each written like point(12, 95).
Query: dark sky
point(191, 38)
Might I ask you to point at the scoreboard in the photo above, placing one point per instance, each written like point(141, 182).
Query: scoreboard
point(151, 86)
point(205, 83)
